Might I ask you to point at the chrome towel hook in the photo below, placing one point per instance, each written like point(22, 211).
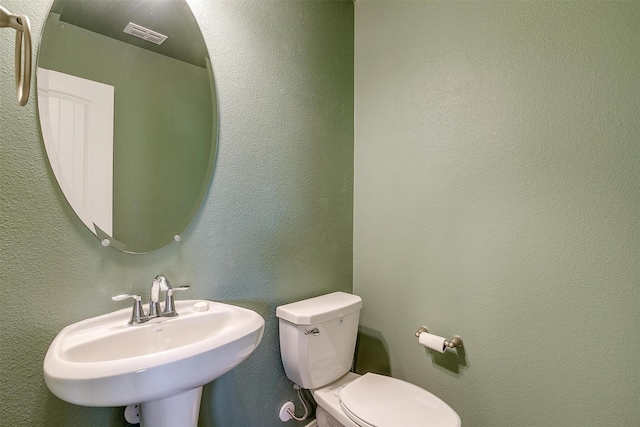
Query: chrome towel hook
point(21, 24)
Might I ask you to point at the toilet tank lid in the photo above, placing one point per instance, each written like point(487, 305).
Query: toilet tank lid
point(319, 309)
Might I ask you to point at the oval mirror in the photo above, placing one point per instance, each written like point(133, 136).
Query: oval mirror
point(128, 114)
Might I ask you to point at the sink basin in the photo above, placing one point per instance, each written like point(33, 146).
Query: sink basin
point(103, 361)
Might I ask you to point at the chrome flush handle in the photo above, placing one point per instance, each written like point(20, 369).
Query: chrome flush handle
point(315, 332)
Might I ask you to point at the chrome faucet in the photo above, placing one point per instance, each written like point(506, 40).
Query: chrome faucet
point(137, 316)
point(154, 303)
point(159, 284)
point(165, 285)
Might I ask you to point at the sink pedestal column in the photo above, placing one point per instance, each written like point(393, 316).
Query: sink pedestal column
point(180, 410)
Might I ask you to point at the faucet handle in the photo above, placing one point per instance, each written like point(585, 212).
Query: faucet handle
point(169, 306)
point(123, 297)
point(137, 314)
point(178, 288)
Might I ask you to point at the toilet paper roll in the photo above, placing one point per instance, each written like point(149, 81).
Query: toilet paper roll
point(434, 342)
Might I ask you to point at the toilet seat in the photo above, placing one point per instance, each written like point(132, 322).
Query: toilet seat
point(379, 401)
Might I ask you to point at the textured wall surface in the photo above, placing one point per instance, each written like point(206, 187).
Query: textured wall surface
point(497, 196)
point(275, 227)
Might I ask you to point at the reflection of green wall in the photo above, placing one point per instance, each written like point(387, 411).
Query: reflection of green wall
point(163, 132)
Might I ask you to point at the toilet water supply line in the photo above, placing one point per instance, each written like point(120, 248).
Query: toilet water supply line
point(21, 24)
point(287, 412)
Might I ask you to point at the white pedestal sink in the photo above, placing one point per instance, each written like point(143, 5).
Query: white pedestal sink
point(160, 365)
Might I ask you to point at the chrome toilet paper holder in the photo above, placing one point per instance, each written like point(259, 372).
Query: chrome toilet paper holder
point(454, 342)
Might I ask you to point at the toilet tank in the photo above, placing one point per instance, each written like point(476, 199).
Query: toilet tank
point(318, 338)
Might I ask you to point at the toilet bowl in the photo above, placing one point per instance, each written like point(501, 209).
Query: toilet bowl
point(317, 343)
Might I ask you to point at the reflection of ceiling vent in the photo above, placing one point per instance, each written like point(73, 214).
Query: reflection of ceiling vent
point(145, 33)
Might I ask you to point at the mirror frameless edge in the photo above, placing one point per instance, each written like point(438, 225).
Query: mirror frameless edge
point(130, 133)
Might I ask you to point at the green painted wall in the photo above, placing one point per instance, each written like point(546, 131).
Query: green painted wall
point(497, 196)
point(276, 225)
point(155, 167)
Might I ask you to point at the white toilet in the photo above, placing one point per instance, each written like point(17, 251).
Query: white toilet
point(317, 343)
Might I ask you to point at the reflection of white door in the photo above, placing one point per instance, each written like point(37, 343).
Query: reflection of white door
point(76, 115)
